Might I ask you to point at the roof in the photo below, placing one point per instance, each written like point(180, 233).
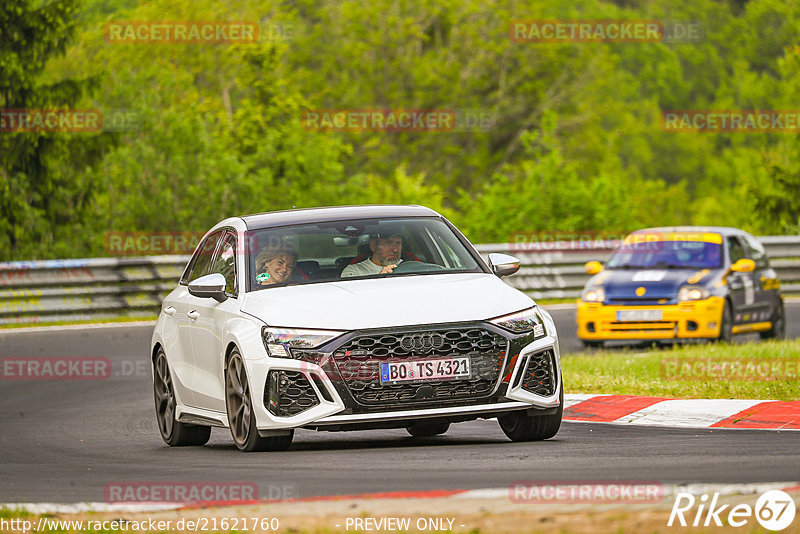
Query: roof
point(335, 213)
point(723, 230)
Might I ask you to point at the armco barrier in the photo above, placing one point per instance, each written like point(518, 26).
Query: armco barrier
point(67, 290)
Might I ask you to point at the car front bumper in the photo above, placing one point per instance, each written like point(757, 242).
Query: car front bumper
point(334, 408)
point(685, 320)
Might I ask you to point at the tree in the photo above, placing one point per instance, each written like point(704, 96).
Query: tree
point(41, 192)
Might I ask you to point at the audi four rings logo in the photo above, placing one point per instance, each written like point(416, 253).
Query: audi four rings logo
point(422, 342)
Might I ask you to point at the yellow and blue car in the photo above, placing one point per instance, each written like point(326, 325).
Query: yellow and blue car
point(681, 283)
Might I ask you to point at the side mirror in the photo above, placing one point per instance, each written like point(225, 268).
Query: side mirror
point(744, 266)
point(593, 267)
point(209, 286)
point(503, 264)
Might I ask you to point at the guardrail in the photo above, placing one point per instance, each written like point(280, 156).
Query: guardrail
point(100, 288)
point(555, 270)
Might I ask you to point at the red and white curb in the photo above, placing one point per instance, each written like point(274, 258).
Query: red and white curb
point(683, 413)
point(507, 493)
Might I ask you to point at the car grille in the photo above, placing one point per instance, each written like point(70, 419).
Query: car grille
point(638, 301)
point(539, 374)
point(358, 362)
point(288, 393)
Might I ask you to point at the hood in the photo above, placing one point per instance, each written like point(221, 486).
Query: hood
point(658, 283)
point(386, 302)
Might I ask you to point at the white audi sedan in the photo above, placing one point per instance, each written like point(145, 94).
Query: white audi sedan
point(349, 318)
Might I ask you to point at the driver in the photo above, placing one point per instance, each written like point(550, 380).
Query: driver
point(386, 249)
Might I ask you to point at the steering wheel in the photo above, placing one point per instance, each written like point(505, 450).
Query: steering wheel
point(413, 266)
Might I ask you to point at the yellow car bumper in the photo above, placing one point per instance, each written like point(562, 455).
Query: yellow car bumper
point(694, 319)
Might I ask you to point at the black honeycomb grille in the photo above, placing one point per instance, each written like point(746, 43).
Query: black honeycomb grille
point(539, 374)
point(358, 362)
point(288, 393)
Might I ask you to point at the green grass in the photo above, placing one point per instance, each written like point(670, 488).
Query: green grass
point(8, 513)
point(667, 373)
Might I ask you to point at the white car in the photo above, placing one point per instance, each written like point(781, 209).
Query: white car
point(348, 318)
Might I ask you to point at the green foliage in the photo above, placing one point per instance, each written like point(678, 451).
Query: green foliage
point(43, 195)
point(576, 143)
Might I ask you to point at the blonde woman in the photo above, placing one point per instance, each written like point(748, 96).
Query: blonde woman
point(275, 264)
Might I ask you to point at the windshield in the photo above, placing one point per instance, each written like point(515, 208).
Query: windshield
point(354, 249)
point(667, 254)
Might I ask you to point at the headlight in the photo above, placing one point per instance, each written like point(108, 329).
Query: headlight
point(597, 294)
point(692, 293)
point(521, 322)
point(279, 341)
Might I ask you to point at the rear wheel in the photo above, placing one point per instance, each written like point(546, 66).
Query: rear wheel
point(427, 429)
point(519, 426)
point(241, 416)
point(778, 330)
point(174, 433)
point(726, 324)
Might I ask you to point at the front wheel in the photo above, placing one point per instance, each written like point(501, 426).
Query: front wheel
point(241, 416)
point(725, 325)
point(173, 432)
point(519, 426)
point(778, 330)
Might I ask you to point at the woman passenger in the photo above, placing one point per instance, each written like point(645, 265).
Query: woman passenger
point(275, 264)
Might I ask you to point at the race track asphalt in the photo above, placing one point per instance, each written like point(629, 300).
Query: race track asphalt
point(67, 440)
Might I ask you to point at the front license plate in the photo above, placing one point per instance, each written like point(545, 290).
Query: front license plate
point(425, 370)
point(639, 315)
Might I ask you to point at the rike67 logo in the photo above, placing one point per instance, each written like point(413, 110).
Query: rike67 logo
point(774, 510)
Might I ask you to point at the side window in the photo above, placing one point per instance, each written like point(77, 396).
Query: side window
point(225, 262)
point(200, 264)
point(735, 249)
point(756, 251)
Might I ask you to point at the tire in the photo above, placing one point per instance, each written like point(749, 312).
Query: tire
point(778, 330)
point(424, 429)
point(241, 416)
point(725, 325)
point(592, 344)
point(173, 432)
point(519, 426)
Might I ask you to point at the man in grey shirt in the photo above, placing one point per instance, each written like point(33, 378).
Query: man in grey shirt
point(386, 251)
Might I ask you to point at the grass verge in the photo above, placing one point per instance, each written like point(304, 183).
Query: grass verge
point(13, 326)
point(765, 370)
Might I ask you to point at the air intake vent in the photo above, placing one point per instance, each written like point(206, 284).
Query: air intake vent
point(288, 393)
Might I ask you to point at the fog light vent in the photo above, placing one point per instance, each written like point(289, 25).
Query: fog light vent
point(288, 393)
